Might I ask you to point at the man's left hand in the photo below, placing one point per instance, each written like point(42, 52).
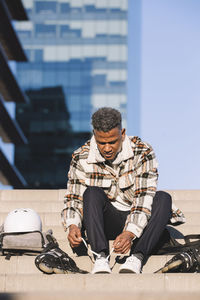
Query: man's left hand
point(122, 243)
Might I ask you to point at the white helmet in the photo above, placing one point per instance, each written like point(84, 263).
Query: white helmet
point(22, 220)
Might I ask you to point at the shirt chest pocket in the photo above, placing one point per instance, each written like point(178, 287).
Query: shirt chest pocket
point(126, 181)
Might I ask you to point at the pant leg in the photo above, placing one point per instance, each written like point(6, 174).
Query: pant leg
point(101, 219)
point(161, 211)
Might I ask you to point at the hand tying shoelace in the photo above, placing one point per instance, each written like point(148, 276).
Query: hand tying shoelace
point(97, 254)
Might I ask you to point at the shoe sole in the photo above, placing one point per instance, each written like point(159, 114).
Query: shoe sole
point(126, 271)
point(101, 272)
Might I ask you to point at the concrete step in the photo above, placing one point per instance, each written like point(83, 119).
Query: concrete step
point(58, 195)
point(48, 218)
point(182, 195)
point(21, 280)
point(94, 295)
point(192, 218)
point(115, 283)
point(54, 218)
point(26, 264)
point(32, 195)
point(188, 205)
point(20, 277)
point(56, 206)
point(177, 231)
point(38, 206)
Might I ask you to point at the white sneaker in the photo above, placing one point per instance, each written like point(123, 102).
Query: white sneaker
point(101, 265)
point(131, 265)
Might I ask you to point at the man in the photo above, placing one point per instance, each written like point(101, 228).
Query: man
point(111, 192)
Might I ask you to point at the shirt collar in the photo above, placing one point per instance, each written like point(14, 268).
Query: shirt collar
point(95, 156)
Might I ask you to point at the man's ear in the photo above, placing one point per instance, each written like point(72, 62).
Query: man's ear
point(123, 133)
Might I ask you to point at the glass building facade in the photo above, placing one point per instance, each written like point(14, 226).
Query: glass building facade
point(81, 46)
point(44, 162)
point(11, 134)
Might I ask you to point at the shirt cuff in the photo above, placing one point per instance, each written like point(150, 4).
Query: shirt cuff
point(75, 221)
point(134, 229)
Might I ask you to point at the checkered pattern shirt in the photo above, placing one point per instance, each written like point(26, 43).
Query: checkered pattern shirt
point(131, 184)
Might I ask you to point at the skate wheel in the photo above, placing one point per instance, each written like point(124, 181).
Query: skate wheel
point(44, 268)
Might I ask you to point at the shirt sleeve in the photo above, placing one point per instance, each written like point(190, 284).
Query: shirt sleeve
point(145, 185)
point(73, 201)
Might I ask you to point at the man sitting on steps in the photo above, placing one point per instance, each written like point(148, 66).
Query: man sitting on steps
point(111, 192)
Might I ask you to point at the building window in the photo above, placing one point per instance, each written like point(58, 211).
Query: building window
point(45, 7)
point(42, 30)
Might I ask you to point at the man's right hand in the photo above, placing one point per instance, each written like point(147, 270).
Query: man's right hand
point(74, 236)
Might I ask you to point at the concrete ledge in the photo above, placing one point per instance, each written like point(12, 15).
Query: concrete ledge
point(38, 206)
point(180, 195)
point(177, 232)
point(50, 195)
point(101, 295)
point(22, 279)
point(29, 195)
point(20, 265)
point(53, 218)
point(114, 283)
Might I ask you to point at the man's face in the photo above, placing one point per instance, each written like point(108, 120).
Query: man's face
point(109, 143)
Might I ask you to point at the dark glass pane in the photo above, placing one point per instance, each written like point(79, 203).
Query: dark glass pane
point(64, 7)
point(45, 6)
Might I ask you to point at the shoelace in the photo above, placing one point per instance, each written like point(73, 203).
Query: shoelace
point(97, 254)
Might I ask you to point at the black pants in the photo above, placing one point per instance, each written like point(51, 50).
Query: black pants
point(103, 222)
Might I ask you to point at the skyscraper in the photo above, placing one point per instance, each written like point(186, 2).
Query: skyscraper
point(44, 162)
point(10, 93)
point(80, 45)
point(77, 51)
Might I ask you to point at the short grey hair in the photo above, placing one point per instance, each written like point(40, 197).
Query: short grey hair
point(106, 118)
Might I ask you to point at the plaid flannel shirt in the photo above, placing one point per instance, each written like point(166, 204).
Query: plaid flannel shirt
point(135, 182)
